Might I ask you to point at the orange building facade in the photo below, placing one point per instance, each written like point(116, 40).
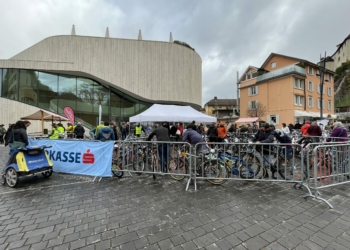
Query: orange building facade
point(289, 89)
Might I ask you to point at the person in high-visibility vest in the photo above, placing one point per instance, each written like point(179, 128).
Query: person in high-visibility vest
point(54, 132)
point(139, 129)
point(61, 130)
point(99, 127)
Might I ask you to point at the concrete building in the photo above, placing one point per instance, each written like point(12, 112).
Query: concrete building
point(124, 76)
point(288, 88)
point(341, 55)
point(224, 109)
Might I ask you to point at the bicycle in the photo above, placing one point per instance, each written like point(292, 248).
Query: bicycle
point(117, 160)
point(178, 163)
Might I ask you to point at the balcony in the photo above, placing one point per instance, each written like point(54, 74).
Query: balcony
point(289, 70)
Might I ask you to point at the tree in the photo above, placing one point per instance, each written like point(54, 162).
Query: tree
point(257, 111)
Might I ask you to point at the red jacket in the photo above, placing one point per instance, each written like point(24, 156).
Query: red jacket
point(222, 131)
point(305, 128)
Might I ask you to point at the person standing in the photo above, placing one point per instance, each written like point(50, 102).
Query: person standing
point(305, 127)
point(212, 133)
point(285, 129)
point(8, 134)
point(2, 133)
point(339, 131)
point(79, 131)
point(139, 129)
point(315, 131)
point(114, 128)
point(291, 127)
point(162, 135)
point(18, 134)
point(222, 132)
point(101, 125)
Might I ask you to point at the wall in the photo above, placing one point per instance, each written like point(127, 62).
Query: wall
point(153, 70)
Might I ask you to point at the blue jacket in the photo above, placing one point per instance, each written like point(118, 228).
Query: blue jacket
point(105, 130)
point(192, 136)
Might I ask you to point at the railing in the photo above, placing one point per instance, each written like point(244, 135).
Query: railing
point(282, 71)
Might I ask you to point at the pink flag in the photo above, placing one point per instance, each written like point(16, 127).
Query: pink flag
point(68, 111)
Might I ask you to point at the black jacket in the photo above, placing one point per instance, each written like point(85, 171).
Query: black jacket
point(161, 133)
point(79, 130)
point(20, 135)
point(264, 137)
point(212, 131)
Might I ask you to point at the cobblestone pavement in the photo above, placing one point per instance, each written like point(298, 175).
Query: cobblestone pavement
point(71, 212)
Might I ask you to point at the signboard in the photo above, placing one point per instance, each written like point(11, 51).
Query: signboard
point(79, 157)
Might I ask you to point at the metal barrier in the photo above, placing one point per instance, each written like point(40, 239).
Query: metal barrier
point(156, 158)
point(329, 166)
point(219, 162)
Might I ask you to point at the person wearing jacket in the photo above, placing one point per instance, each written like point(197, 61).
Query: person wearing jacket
point(285, 129)
point(212, 133)
point(79, 131)
point(339, 131)
point(222, 132)
point(315, 131)
point(265, 135)
point(305, 127)
point(8, 134)
point(162, 134)
point(283, 138)
point(193, 137)
point(106, 129)
point(18, 134)
point(54, 132)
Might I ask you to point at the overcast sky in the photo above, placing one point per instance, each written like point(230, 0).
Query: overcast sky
point(229, 35)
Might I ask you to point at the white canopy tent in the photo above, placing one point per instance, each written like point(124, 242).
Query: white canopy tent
point(171, 113)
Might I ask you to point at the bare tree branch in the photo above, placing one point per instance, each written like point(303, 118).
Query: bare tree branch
point(259, 111)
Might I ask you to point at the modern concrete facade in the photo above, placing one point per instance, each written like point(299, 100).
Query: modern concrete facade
point(146, 72)
point(288, 88)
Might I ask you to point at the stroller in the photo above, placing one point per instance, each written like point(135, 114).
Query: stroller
point(26, 161)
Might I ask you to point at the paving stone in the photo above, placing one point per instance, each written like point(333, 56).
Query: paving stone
point(255, 243)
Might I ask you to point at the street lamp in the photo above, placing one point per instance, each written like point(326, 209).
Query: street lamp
point(322, 80)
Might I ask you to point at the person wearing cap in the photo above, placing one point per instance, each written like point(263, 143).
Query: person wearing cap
point(99, 127)
point(2, 133)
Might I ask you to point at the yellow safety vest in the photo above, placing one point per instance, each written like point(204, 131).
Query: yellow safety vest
point(55, 134)
point(138, 130)
point(98, 128)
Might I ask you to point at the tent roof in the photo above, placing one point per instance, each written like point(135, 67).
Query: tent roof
point(44, 115)
point(249, 119)
point(171, 113)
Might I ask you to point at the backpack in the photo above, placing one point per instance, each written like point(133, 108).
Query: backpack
point(106, 136)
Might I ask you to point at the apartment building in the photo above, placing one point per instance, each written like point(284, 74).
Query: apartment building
point(341, 55)
point(289, 89)
point(224, 109)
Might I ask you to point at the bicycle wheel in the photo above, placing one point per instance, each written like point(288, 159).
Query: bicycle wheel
point(138, 163)
point(215, 172)
point(252, 170)
point(178, 166)
point(293, 169)
point(116, 167)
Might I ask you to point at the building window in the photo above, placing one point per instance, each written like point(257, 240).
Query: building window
point(248, 76)
point(253, 105)
point(319, 89)
point(255, 74)
point(310, 86)
point(330, 78)
point(329, 91)
point(310, 70)
point(273, 65)
point(253, 91)
point(298, 83)
point(329, 105)
point(318, 73)
point(319, 104)
point(298, 100)
point(273, 119)
point(310, 102)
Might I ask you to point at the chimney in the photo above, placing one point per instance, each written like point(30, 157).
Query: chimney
point(140, 35)
point(215, 98)
point(73, 30)
point(171, 38)
point(107, 33)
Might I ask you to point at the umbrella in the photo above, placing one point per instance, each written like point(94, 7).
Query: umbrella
point(43, 115)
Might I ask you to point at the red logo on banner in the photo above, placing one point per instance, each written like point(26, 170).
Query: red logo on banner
point(88, 158)
point(68, 111)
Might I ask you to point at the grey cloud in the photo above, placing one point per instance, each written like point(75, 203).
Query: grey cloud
point(228, 35)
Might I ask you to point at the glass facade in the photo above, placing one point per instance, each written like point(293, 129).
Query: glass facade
point(53, 92)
